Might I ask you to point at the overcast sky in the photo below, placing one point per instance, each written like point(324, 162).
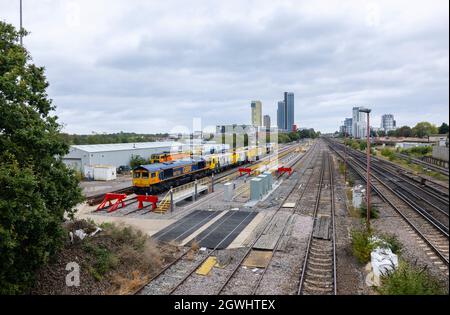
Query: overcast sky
point(150, 66)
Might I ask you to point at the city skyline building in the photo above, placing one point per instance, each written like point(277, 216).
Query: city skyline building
point(281, 113)
point(388, 122)
point(358, 123)
point(256, 107)
point(348, 122)
point(266, 121)
point(289, 110)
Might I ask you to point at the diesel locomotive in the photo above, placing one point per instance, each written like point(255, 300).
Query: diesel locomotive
point(157, 177)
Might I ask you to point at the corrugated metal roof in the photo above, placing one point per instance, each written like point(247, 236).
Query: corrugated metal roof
point(92, 148)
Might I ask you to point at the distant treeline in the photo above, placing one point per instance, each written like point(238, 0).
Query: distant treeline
point(121, 137)
point(297, 135)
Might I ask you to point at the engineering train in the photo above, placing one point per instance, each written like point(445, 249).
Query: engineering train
point(157, 177)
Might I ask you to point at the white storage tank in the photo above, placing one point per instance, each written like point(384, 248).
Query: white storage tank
point(104, 172)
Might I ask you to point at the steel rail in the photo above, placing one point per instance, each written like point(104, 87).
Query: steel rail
point(230, 276)
point(316, 207)
point(209, 254)
point(407, 220)
point(261, 276)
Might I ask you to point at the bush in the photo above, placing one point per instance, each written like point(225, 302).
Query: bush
point(103, 262)
point(361, 245)
point(388, 153)
point(362, 145)
point(418, 151)
point(393, 242)
point(409, 280)
point(374, 214)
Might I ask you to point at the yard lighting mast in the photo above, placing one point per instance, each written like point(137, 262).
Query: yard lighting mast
point(21, 43)
point(367, 111)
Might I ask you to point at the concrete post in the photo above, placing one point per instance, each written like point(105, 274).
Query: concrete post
point(171, 199)
point(195, 190)
point(212, 182)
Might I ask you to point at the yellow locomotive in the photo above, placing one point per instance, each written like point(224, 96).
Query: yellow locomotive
point(166, 171)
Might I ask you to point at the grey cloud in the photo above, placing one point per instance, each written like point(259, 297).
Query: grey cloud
point(153, 65)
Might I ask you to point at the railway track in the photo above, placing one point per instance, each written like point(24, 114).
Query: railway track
point(425, 201)
point(254, 289)
point(178, 271)
point(319, 267)
point(425, 227)
point(426, 165)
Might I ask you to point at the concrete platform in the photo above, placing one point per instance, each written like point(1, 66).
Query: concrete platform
point(225, 230)
point(189, 193)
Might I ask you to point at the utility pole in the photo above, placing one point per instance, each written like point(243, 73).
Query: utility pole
point(345, 154)
point(21, 42)
point(367, 111)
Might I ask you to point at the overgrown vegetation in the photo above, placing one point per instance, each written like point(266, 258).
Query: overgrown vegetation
point(364, 241)
point(36, 188)
point(374, 214)
point(418, 151)
point(103, 260)
point(361, 245)
point(386, 152)
point(117, 260)
point(409, 279)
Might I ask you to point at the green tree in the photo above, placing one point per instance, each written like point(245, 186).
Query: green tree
point(404, 131)
point(137, 160)
point(36, 188)
point(424, 129)
point(443, 128)
point(362, 145)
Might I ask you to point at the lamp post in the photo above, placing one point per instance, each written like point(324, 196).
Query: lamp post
point(367, 111)
point(21, 42)
point(345, 154)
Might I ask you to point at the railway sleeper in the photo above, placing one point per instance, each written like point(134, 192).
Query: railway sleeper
point(319, 284)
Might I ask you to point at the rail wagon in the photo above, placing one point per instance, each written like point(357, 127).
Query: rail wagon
point(167, 157)
point(157, 177)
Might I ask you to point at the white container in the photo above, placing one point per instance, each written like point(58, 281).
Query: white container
point(228, 191)
point(104, 172)
point(357, 196)
point(89, 172)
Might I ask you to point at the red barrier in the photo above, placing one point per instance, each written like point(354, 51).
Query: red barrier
point(112, 196)
point(144, 198)
point(244, 170)
point(282, 170)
